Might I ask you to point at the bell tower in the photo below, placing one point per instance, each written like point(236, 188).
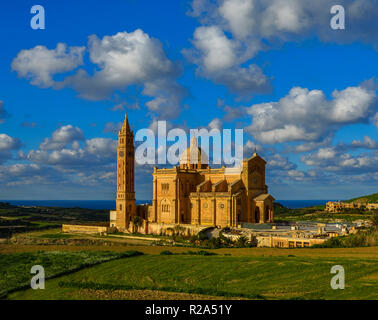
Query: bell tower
point(126, 207)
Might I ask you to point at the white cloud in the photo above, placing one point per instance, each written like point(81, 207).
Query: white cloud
point(278, 162)
point(309, 146)
point(233, 32)
point(21, 174)
point(8, 143)
point(122, 60)
point(375, 120)
point(334, 160)
point(96, 151)
point(326, 153)
point(121, 106)
point(22, 169)
point(216, 124)
point(295, 174)
point(40, 64)
point(101, 146)
point(219, 52)
point(67, 158)
point(367, 142)
point(233, 113)
point(67, 150)
point(250, 147)
point(307, 115)
point(288, 19)
point(352, 104)
point(61, 137)
point(237, 13)
point(167, 95)
point(219, 58)
point(7, 146)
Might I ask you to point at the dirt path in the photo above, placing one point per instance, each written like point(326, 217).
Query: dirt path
point(89, 294)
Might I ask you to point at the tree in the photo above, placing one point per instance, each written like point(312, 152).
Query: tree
point(137, 223)
point(374, 220)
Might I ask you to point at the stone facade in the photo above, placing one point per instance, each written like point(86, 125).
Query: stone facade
point(125, 201)
point(193, 193)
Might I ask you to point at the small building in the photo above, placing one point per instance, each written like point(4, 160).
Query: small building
point(338, 206)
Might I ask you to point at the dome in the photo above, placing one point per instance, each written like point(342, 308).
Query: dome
point(193, 157)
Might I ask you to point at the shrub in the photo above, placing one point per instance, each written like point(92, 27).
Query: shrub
point(368, 237)
point(202, 236)
point(166, 253)
point(242, 241)
point(374, 220)
point(200, 253)
point(137, 223)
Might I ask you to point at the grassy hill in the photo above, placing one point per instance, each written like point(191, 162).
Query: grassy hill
point(16, 219)
point(258, 277)
point(372, 198)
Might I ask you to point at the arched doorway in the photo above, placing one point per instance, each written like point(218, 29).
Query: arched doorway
point(257, 215)
point(266, 216)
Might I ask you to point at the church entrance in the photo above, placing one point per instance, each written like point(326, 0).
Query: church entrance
point(257, 215)
point(266, 218)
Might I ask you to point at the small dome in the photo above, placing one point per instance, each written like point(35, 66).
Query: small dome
point(193, 157)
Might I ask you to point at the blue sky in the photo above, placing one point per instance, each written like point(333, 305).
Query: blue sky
point(268, 66)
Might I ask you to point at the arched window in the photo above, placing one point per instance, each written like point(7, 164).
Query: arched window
point(165, 206)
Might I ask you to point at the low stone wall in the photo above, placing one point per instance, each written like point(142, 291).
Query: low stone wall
point(287, 242)
point(75, 228)
point(171, 229)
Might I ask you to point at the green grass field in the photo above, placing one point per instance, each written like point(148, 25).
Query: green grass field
point(253, 277)
point(15, 267)
point(371, 198)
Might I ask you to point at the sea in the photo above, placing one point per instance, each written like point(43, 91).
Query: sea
point(110, 204)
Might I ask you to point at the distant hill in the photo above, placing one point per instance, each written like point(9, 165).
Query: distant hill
point(372, 198)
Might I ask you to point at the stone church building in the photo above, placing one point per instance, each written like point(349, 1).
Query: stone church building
point(193, 193)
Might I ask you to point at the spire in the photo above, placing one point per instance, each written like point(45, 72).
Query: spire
point(193, 142)
point(255, 153)
point(125, 126)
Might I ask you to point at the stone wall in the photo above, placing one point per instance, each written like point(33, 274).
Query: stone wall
point(287, 242)
point(72, 228)
point(170, 229)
